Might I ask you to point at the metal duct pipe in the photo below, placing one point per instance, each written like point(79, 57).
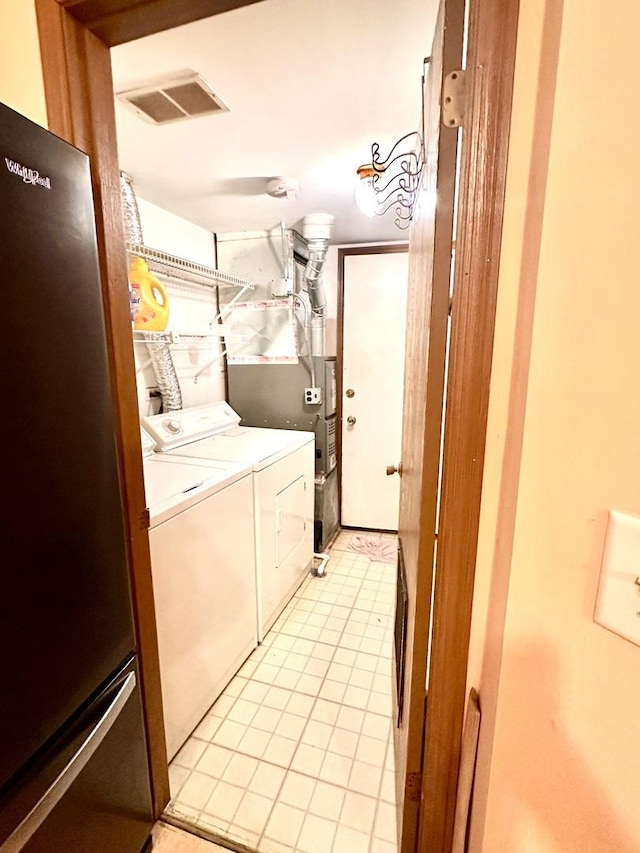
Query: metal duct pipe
point(161, 360)
point(316, 230)
point(313, 274)
point(312, 277)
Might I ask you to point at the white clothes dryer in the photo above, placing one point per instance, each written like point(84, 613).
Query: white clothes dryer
point(203, 566)
point(283, 490)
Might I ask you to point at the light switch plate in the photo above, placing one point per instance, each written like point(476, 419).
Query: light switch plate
point(618, 601)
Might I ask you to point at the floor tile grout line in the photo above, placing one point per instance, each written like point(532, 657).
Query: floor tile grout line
point(379, 797)
point(317, 696)
point(377, 800)
point(310, 719)
point(353, 759)
point(324, 678)
point(271, 810)
point(288, 767)
point(323, 681)
point(354, 592)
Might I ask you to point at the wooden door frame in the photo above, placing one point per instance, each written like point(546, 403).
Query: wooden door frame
point(490, 70)
point(344, 252)
point(116, 22)
point(75, 36)
point(78, 85)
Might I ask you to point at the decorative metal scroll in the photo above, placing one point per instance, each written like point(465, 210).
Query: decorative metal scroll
point(396, 177)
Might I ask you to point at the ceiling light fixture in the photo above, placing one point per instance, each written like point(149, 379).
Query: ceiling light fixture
point(364, 192)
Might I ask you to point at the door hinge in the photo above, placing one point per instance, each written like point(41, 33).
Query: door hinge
point(454, 98)
point(413, 788)
point(145, 519)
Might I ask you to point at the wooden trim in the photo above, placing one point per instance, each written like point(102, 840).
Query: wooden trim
point(373, 250)
point(467, 770)
point(491, 61)
point(79, 94)
point(342, 253)
point(431, 272)
point(339, 363)
point(118, 21)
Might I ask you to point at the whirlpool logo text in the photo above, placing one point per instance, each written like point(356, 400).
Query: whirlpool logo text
point(29, 176)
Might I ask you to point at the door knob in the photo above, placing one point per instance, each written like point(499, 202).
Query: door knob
point(394, 469)
point(350, 393)
point(351, 420)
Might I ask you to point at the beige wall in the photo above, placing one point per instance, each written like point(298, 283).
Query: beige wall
point(21, 85)
point(558, 772)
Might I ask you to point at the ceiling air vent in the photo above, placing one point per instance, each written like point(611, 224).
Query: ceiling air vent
point(184, 95)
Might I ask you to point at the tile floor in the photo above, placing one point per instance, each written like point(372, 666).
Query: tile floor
point(169, 839)
point(297, 753)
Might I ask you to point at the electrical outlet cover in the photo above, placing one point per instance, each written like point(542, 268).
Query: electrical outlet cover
point(313, 396)
point(618, 600)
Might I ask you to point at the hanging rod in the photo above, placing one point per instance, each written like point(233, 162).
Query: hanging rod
point(181, 270)
point(208, 365)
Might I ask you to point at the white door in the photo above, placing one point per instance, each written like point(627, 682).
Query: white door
point(374, 318)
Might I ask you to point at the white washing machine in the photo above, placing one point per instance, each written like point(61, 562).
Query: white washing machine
point(283, 490)
point(203, 567)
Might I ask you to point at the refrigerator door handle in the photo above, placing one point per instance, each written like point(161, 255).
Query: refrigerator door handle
point(52, 796)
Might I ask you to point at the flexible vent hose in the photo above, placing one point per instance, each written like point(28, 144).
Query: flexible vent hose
point(130, 212)
point(165, 374)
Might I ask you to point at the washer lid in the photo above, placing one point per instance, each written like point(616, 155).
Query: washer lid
point(174, 429)
point(255, 446)
point(172, 484)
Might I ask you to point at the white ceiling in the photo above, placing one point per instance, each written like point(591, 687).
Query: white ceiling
point(310, 85)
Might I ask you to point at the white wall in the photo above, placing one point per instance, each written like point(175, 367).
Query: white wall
point(21, 82)
point(192, 308)
point(559, 745)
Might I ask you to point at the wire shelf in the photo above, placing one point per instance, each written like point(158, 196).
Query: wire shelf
point(173, 267)
point(187, 338)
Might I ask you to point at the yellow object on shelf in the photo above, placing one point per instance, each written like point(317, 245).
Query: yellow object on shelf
point(149, 299)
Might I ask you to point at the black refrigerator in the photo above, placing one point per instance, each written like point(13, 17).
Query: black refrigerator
point(73, 759)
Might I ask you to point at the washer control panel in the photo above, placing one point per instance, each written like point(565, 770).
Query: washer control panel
point(173, 429)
